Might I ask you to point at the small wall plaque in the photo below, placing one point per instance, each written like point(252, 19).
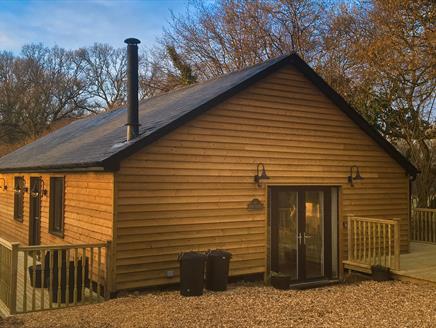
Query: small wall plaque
point(255, 205)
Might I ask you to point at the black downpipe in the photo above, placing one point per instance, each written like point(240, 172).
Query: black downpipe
point(132, 88)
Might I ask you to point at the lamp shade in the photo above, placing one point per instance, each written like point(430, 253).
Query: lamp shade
point(357, 176)
point(263, 175)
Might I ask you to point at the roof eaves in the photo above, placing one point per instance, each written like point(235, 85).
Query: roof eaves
point(81, 167)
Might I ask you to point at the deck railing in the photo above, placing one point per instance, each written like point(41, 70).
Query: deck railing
point(373, 242)
point(423, 225)
point(47, 277)
point(6, 275)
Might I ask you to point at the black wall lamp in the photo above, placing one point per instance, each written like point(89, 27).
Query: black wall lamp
point(4, 187)
point(21, 188)
point(44, 191)
point(262, 176)
point(36, 193)
point(356, 176)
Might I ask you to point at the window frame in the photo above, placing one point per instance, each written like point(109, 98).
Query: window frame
point(19, 213)
point(52, 199)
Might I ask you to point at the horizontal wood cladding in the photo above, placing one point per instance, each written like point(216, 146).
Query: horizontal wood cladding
point(190, 189)
point(88, 213)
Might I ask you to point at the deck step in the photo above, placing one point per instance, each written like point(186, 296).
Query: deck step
point(313, 284)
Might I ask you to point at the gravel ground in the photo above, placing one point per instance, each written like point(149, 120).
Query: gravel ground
point(362, 304)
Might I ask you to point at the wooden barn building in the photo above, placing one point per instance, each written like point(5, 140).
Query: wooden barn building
point(268, 163)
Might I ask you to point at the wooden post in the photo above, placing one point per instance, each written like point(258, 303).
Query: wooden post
point(412, 225)
point(350, 239)
point(42, 256)
point(91, 272)
point(25, 266)
point(434, 226)
point(34, 279)
point(397, 245)
point(67, 280)
point(98, 273)
point(82, 292)
point(364, 242)
point(108, 280)
point(13, 279)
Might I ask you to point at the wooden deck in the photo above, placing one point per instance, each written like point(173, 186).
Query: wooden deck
point(31, 299)
point(419, 264)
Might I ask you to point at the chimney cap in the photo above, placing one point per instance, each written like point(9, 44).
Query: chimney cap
point(132, 41)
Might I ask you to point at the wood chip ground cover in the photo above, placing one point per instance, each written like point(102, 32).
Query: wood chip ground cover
point(363, 304)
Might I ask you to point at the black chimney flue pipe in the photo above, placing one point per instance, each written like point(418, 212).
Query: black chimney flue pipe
point(132, 88)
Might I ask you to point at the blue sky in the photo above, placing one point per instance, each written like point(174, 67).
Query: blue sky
point(75, 23)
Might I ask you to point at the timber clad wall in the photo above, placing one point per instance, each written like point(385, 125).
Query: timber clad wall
point(190, 189)
point(88, 209)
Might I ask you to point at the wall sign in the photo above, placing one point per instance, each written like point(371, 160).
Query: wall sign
point(255, 205)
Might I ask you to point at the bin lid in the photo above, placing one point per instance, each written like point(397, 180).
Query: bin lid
point(192, 256)
point(219, 253)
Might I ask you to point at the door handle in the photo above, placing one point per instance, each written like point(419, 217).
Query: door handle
point(299, 238)
point(306, 236)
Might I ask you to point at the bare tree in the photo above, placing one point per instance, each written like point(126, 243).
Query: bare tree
point(232, 34)
point(105, 75)
point(39, 87)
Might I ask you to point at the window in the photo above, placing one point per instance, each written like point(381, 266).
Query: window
point(19, 184)
point(56, 215)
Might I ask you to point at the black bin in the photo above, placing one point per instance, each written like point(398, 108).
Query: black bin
point(38, 276)
point(192, 273)
point(217, 270)
point(38, 283)
point(60, 294)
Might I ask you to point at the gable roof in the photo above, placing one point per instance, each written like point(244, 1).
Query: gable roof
point(99, 142)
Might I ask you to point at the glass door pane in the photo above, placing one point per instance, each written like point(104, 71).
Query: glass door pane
point(287, 233)
point(313, 234)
